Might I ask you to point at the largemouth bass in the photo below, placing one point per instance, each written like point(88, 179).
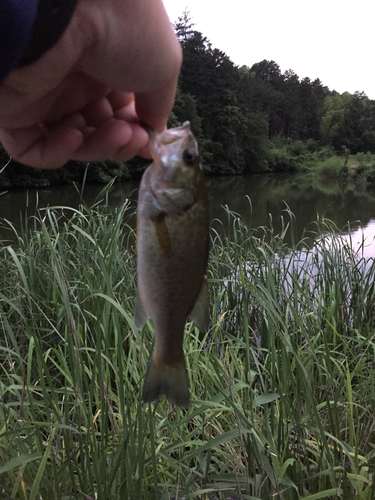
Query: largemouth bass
point(172, 246)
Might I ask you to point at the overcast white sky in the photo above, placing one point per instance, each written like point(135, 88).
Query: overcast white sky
point(327, 39)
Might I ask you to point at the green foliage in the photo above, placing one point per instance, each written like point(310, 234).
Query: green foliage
point(241, 107)
point(364, 166)
point(281, 159)
point(343, 173)
point(331, 167)
point(234, 113)
point(282, 392)
point(332, 123)
point(14, 174)
point(186, 105)
point(287, 155)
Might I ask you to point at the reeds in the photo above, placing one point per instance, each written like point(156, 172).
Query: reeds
point(282, 384)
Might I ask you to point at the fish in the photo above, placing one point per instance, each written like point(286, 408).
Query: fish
point(172, 256)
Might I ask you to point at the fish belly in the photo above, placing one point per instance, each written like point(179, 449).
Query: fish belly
point(169, 284)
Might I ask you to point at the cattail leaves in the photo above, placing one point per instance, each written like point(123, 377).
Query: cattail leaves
point(283, 398)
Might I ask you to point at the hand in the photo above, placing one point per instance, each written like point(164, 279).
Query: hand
point(116, 64)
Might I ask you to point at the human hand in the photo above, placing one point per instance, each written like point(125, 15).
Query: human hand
point(116, 64)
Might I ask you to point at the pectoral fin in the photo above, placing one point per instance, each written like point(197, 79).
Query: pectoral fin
point(140, 315)
point(162, 236)
point(200, 314)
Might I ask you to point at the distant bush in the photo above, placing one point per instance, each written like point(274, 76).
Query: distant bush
point(343, 173)
point(363, 166)
point(298, 148)
point(286, 155)
point(370, 174)
point(312, 145)
point(360, 158)
point(361, 169)
point(330, 167)
point(281, 160)
point(325, 153)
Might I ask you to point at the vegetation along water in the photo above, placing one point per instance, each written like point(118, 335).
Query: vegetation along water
point(282, 384)
point(282, 392)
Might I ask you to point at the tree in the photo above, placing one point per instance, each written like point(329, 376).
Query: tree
point(332, 123)
point(184, 27)
point(185, 107)
point(359, 124)
point(268, 72)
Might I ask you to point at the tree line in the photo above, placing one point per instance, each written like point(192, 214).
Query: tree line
point(243, 118)
point(241, 115)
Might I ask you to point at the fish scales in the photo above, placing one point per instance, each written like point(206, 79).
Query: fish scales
point(172, 247)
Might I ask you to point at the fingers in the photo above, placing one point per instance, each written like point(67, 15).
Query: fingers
point(50, 149)
point(115, 139)
point(37, 147)
point(81, 119)
point(145, 58)
point(104, 129)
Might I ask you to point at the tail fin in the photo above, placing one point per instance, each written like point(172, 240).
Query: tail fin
point(167, 380)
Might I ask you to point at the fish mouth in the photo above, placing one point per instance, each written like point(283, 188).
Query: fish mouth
point(172, 135)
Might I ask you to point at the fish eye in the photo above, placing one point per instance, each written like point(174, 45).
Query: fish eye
point(188, 156)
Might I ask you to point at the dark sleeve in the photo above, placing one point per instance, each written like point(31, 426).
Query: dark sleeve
point(34, 26)
point(17, 18)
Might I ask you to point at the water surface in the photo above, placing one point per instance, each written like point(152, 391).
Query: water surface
point(269, 195)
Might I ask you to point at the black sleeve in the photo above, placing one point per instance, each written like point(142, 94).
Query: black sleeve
point(52, 18)
point(17, 18)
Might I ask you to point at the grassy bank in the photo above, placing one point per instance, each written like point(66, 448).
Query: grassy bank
point(282, 387)
point(325, 163)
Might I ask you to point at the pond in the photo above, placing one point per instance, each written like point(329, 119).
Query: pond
point(270, 195)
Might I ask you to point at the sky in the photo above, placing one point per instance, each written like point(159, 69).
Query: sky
point(327, 39)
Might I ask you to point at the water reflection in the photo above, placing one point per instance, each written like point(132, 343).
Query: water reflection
point(351, 255)
point(17, 205)
point(361, 241)
point(269, 195)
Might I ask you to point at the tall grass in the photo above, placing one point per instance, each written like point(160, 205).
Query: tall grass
point(282, 387)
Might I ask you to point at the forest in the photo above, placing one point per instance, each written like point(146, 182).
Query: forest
point(246, 119)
